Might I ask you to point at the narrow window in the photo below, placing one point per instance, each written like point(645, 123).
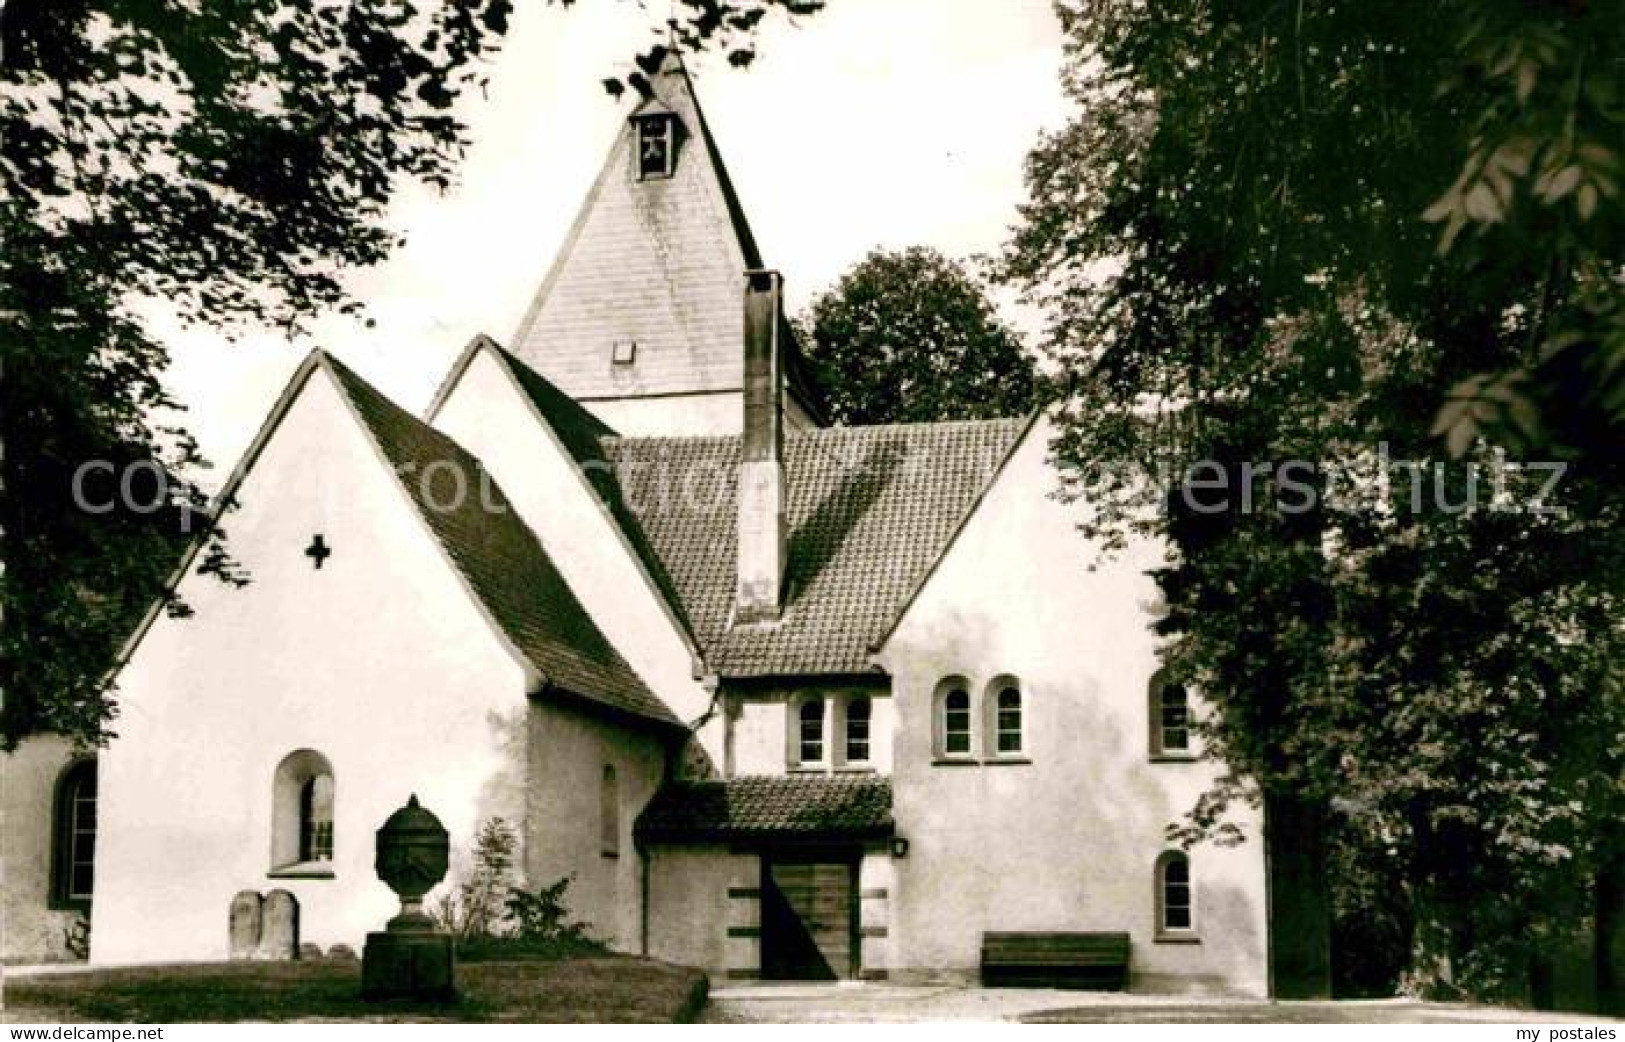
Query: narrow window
point(1007, 725)
point(74, 865)
point(857, 730)
point(609, 814)
point(956, 722)
point(810, 737)
point(1175, 910)
point(1172, 707)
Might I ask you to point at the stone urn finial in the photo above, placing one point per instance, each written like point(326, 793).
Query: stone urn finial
point(412, 856)
point(410, 958)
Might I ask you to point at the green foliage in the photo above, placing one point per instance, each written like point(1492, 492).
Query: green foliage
point(534, 926)
point(910, 336)
point(224, 162)
point(1371, 914)
point(1234, 241)
point(1541, 176)
point(493, 920)
point(559, 991)
point(476, 907)
point(543, 915)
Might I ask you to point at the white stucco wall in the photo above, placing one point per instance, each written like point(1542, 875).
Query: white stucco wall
point(704, 896)
point(379, 660)
point(30, 930)
point(569, 751)
point(1068, 841)
point(488, 415)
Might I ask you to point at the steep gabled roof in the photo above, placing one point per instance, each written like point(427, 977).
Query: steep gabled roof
point(581, 435)
point(793, 807)
point(870, 512)
point(500, 559)
point(660, 262)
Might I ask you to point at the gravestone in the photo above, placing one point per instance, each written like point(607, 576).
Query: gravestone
point(309, 951)
point(246, 919)
point(279, 936)
point(342, 951)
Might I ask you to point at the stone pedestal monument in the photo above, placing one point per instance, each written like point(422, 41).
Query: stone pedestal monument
point(409, 958)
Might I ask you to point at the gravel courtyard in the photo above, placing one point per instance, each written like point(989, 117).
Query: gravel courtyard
point(837, 1003)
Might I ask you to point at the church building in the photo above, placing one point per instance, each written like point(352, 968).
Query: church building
point(784, 700)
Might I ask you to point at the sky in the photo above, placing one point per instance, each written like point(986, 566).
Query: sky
point(873, 123)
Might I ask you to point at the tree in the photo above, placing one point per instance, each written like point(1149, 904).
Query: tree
point(1299, 264)
point(226, 161)
point(910, 336)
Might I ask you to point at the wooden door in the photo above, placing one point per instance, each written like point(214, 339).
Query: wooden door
point(809, 920)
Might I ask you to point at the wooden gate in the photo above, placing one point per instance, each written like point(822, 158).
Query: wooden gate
point(809, 920)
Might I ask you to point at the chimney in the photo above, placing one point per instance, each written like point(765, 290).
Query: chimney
point(761, 468)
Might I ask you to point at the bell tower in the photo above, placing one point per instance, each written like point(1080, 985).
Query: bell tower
point(638, 318)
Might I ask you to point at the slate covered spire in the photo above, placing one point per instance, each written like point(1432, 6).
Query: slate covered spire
point(643, 297)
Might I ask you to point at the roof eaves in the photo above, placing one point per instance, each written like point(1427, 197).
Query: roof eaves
point(597, 707)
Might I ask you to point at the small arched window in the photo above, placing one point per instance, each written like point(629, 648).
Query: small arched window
point(1007, 740)
point(858, 711)
point(810, 731)
point(609, 813)
point(73, 862)
point(1170, 720)
point(1176, 904)
point(302, 814)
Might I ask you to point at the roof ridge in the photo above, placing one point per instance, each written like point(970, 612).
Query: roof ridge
point(869, 513)
point(815, 433)
point(730, 197)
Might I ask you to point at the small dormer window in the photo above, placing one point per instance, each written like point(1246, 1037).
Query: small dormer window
point(623, 352)
point(657, 145)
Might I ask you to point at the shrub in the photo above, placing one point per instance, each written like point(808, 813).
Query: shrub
point(494, 920)
point(475, 908)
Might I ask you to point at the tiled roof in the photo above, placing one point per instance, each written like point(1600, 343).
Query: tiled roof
point(795, 806)
point(502, 560)
point(870, 511)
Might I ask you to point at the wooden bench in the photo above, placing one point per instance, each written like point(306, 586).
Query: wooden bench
point(1055, 960)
